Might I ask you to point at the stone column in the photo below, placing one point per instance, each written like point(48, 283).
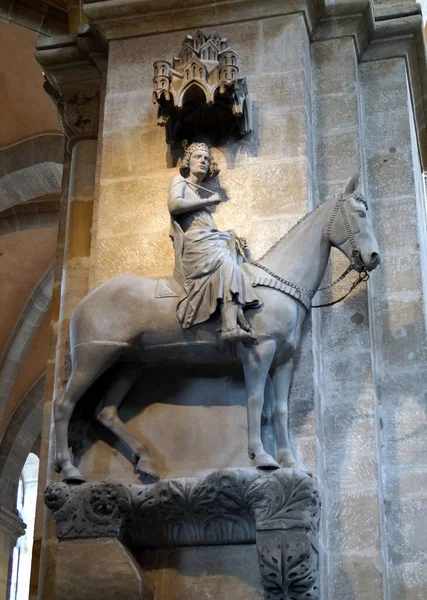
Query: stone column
point(343, 378)
point(73, 71)
point(397, 317)
point(11, 528)
point(45, 467)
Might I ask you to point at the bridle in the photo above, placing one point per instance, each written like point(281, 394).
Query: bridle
point(356, 259)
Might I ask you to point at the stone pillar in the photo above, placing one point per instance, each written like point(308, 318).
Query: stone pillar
point(45, 467)
point(11, 528)
point(397, 320)
point(73, 71)
point(347, 471)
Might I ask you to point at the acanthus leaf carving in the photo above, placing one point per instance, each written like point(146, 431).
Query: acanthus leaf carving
point(279, 511)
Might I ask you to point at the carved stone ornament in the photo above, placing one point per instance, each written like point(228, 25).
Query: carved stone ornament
point(72, 68)
point(200, 92)
point(279, 511)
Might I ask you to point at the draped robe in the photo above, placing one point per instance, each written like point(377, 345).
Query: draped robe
point(205, 267)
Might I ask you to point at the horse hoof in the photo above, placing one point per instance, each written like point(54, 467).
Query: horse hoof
point(72, 475)
point(147, 471)
point(266, 462)
point(288, 461)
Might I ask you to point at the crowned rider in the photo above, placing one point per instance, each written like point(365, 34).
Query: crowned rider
point(204, 262)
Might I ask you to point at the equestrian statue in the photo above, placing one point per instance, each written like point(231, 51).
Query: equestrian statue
point(219, 309)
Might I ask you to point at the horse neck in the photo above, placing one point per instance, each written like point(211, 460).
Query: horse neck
point(301, 256)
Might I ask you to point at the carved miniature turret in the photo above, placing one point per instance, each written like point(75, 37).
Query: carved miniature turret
point(162, 80)
point(228, 71)
point(204, 74)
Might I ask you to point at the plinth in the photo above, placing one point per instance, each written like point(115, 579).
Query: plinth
point(237, 533)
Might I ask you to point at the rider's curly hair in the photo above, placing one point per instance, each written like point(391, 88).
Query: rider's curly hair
point(184, 168)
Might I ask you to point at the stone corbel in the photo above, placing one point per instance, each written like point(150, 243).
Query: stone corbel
point(128, 18)
point(399, 33)
point(278, 511)
point(347, 19)
point(73, 67)
point(11, 524)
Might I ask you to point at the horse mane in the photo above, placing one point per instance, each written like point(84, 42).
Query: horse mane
point(297, 224)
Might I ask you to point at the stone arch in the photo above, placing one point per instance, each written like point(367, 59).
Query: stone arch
point(24, 332)
point(30, 169)
point(187, 89)
point(31, 215)
point(21, 433)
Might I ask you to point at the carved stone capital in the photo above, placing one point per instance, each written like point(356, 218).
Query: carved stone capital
point(279, 511)
point(73, 67)
point(11, 524)
point(89, 510)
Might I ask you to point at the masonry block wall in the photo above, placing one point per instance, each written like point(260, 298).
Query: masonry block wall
point(265, 176)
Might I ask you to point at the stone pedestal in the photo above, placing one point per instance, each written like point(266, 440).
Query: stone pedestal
point(192, 538)
point(96, 568)
point(11, 528)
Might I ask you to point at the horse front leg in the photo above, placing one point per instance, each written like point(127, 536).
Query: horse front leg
point(256, 362)
point(282, 377)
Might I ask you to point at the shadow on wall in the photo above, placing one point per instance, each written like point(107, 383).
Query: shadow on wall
point(233, 150)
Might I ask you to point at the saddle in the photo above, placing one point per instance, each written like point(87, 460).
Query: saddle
point(169, 287)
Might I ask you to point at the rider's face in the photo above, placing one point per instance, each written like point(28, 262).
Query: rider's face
point(200, 163)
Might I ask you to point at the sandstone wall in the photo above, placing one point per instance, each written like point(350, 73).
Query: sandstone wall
point(201, 425)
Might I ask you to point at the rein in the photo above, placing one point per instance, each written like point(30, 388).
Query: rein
point(363, 275)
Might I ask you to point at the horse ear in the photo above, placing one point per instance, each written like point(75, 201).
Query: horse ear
point(352, 184)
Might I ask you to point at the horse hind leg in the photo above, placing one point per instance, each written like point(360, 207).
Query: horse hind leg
point(124, 377)
point(89, 362)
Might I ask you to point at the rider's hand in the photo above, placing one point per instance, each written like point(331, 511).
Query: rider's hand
point(215, 199)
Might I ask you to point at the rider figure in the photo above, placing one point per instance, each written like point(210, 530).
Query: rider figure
point(204, 262)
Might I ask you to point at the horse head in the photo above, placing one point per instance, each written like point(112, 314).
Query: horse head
point(349, 230)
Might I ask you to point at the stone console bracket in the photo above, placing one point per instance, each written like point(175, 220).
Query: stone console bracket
point(279, 511)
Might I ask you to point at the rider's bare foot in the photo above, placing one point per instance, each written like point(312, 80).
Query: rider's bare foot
point(248, 338)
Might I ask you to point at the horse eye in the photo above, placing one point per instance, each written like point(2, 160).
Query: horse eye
point(362, 215)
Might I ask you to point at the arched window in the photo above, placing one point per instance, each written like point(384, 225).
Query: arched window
point(201, 73)
point(209, 53)
point(194, 70)
point(163, 70)
point(26, 505)
point(188, 73)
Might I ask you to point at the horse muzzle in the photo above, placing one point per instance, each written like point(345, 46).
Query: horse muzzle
point(359, 263)
point(374, 261)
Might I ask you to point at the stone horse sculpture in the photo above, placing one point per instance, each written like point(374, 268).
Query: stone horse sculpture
point(122, 323)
